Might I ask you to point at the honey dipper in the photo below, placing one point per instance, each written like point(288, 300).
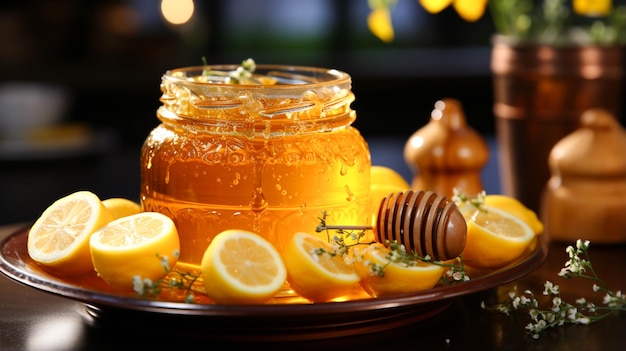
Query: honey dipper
point(425, 222)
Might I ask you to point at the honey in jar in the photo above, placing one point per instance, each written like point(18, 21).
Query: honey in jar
point(266, 154)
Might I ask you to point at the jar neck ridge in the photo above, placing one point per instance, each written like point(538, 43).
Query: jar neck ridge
point(319, 100)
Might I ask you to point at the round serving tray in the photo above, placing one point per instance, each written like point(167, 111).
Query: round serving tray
point(272, 321)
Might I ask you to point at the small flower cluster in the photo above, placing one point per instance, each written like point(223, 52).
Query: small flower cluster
point(561, 312)
point(455, 273)
point(145, 287)
point(461, 199)
point(242, 74)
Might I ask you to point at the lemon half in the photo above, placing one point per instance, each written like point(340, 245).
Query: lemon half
point(145, 245)
point(59, 239)
point(314, 272)
point(495, 237)
point(242, 267)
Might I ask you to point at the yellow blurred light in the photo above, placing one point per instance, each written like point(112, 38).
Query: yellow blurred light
point(592, 7)
point(177, 11)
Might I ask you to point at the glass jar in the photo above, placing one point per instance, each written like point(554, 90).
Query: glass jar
point(263, 158)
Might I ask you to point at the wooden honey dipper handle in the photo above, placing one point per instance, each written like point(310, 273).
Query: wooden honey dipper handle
point(346, 227)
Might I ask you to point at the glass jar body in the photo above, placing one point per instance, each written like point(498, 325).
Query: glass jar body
point(268, 159)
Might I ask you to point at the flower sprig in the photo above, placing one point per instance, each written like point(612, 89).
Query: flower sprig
point(146, 287)
point(561, 312)
point(243, 74)
point(342, 238)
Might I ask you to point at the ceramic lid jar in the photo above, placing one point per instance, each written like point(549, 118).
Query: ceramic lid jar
point(447, 153)
point(585, 197)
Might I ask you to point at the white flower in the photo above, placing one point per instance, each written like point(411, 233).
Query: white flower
point(249, 65)
point(165, 263)
point(240, 73)
point(576, 267)
point(556, 303)
point(571, 252)
point(584, 320)
point(564, 272)
point(582, 245)
point(138, 286)
point(550, 288)
point(541, 325)
point(550, 317)
point(457, 275)
point(572, 313)
point(534, 314)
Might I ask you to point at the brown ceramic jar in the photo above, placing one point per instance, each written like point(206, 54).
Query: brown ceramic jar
point(585, 197)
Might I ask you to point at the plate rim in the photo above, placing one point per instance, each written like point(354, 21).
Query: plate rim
point(101, 299)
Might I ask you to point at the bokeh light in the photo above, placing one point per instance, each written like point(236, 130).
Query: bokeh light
point(177, 11)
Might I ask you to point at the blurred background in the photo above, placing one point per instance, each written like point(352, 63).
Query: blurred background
point(102, 60)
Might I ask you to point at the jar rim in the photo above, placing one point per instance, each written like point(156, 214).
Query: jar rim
point(288, 76)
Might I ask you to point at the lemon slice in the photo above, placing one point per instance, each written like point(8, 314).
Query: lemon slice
point(515, 207)
point(59, 239)
point(313, 272)
point(121, 207)
point(495, 237)
point(144, 244)
point(242, 267)
point(398, 278)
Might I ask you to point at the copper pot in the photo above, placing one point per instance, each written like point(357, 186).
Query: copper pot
point(540, 92)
